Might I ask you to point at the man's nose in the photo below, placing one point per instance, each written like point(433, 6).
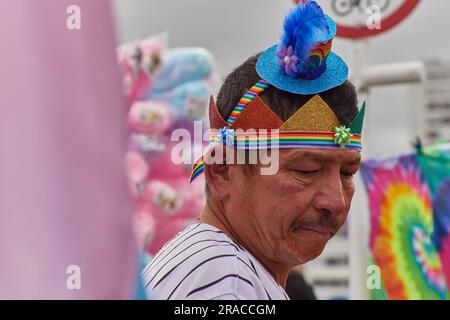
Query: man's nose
point(331, 197)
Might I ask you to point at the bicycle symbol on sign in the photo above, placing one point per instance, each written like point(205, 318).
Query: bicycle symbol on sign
point(345, 7)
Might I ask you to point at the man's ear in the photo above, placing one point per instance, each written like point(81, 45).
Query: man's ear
point(217, 171)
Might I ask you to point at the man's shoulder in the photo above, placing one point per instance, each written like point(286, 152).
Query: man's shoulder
point(199, 240)
point(199, 263)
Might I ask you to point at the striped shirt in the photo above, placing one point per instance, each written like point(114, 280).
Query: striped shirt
point(203, 263)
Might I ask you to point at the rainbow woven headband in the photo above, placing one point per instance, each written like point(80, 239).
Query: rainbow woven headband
point(287, 139)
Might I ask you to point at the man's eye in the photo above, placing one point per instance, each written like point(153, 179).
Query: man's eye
point(307, 172)
point(348, 174)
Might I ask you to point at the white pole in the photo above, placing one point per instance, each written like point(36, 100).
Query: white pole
point(358, 216)
point(393, 73)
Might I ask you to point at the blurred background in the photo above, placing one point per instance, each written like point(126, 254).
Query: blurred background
point(113, 91)
point(401, 105)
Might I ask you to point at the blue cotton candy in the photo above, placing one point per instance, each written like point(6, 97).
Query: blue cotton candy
point(183, 65)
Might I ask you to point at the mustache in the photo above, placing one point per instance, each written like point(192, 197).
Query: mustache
point(322, 220)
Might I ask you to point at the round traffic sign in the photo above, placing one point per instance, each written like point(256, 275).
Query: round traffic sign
point(391, 15)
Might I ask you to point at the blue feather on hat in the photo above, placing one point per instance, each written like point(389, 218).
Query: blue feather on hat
point(303, 27)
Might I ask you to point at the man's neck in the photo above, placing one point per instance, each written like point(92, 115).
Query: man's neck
point(215, 217)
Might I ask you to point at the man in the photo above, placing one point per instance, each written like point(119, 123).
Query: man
point(296, 286)
point(255, 227)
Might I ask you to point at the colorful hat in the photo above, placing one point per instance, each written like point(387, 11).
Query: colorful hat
point(302, 63)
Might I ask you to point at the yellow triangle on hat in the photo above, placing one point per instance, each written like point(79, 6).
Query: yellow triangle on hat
point(315, 115)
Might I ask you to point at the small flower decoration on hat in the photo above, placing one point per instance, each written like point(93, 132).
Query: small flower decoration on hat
point(226, 136)
point(342, 136)
point(288, 61)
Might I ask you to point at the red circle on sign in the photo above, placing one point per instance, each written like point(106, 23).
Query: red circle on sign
point(388, 23)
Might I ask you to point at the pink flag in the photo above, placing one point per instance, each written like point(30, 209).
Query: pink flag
point(65, 228)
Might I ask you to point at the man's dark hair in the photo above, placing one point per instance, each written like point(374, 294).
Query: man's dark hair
point(342, 99)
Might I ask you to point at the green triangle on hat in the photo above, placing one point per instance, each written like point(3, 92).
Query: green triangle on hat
point(357, 124)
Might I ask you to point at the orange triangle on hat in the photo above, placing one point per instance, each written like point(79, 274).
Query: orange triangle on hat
point(257, 115)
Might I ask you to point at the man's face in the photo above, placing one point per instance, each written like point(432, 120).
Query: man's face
point(290, 216)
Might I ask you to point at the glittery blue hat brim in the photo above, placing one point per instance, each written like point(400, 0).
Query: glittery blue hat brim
point(335, 74)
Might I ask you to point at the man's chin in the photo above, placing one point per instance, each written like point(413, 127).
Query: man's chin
point(304, 254)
